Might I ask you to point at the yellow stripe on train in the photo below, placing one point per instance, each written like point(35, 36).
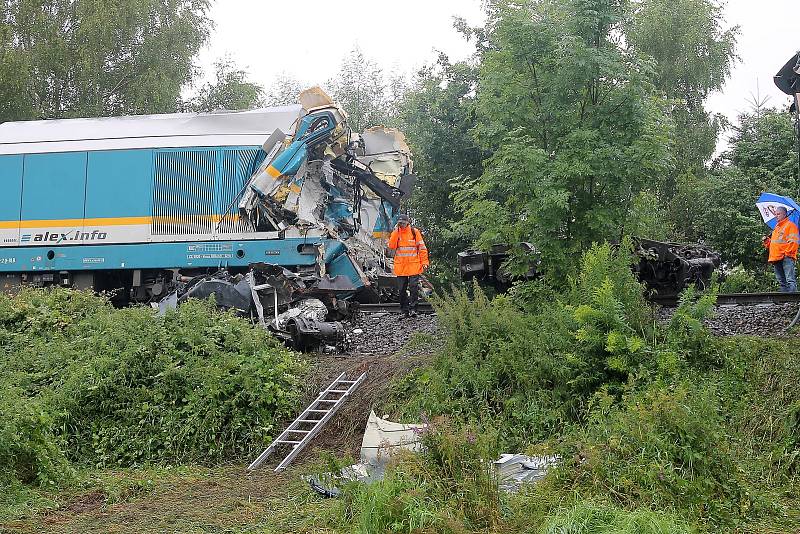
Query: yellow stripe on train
point(112, 221)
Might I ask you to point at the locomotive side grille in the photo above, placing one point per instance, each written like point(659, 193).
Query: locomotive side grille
point(237, 167)
point(183, 192)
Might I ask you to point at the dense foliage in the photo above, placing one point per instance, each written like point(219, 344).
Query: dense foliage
point(579, 121)
point(90, 58)
point(89, 385)
point(645, 416)
point(572, 123)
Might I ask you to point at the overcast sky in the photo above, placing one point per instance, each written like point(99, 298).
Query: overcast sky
point(308, 39)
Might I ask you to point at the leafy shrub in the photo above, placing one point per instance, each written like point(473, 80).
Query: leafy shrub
point(667, 447)
point(532, 374)
point(606, 268)
point(29, 452)
point(450, 488)
point(740, 280)
point(685, 337)
point(124, 387)
point(497, 364)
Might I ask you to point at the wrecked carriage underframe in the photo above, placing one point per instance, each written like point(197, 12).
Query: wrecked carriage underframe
point(665, 269)
point(313, 305)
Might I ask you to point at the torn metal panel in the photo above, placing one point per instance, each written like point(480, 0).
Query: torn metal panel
point(329, 182)
point(384, 438)
point(310, 309)
point(514, 470)
point(314, 98)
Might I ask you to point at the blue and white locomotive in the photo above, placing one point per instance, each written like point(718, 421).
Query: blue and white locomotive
point(141, 203)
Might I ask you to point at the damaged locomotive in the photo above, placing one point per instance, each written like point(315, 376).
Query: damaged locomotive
point(161, 208)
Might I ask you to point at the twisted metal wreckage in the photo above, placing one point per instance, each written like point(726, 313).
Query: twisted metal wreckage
point(665, 269)
point(339, 192)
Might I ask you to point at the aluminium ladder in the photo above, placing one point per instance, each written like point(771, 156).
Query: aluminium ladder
point(309, 423)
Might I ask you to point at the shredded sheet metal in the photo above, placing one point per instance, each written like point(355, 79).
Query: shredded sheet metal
point(514, 470)
point(313, 309)
point(383, 438)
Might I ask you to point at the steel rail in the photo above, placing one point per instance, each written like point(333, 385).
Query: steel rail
point(393, 307)
point(740, 299)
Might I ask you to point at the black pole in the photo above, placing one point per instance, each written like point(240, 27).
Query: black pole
point(797, 135)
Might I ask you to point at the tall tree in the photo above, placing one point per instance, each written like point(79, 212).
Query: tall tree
point(719, 208)
point(230, 90)
point(693, 56)
point(571, 120)
point(437, 115)
point(764, 147)
point(360, 87)
point(283, 91)
point(68, 58)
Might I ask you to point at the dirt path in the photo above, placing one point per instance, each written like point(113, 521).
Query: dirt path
point(206, 500)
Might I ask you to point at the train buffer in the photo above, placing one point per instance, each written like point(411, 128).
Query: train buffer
point(310, 422)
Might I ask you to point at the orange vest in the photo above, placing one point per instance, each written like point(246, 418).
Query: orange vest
point(784, 240)
point(412, 254)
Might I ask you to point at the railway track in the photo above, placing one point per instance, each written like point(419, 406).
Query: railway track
point(671, 301)
point(740, 299)
point(393, 307)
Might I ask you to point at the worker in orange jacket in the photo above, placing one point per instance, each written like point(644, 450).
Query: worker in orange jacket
point(783, 250)
point(410, 260)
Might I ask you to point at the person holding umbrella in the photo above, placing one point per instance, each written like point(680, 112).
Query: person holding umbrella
point(782, 247)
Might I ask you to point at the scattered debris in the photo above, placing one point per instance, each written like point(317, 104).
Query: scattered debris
point(490, 267)
point(666, 268)
point(514, 470)
point(669, 268)
point(382, 439)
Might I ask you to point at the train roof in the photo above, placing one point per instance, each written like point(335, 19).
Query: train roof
point(175, 130)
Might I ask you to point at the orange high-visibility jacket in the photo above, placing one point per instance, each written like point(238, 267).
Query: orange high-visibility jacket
point(784, 240)
point(412, 254)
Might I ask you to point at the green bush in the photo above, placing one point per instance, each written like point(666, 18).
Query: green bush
point(666, 446)
point(450, 488)
point(533, 373)
point(109, 387)
point(740, 280)
point(497, 364)
point(661, 415)
point(29, 452)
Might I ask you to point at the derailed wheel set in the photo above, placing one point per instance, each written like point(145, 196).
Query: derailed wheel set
point(666, 269)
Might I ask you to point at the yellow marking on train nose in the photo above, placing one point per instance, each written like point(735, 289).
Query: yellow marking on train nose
point(272, 171)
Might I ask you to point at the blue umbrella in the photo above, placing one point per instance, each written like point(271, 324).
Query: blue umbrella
point(767, 204)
